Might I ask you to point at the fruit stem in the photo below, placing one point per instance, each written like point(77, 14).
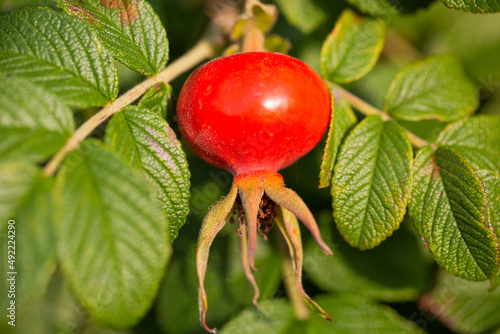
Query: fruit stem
point(202, 50)
point(367, 109)
point(399, 50)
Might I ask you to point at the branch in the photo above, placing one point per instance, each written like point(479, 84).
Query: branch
point(367, 109)
point(202, 50)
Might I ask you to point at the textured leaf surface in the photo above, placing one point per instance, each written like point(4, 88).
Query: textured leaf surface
point(273, 316)
point(491, 182)
point(157, 99)
point(130, 29)
point(33, 237)
point(343, 120)
point(58, 53)
point(354, 314)
point(381, 273)
point(468, 307)
point(372, 182)
point(474, 6)
point(145, 140)
point(34, 124)
point(352, 48)
point(303, 14)
point(447, 206)
point(477, 139)
point(112, 238)
point(433, 88)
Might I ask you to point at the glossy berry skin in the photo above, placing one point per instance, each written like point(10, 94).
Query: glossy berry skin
point(253, 111)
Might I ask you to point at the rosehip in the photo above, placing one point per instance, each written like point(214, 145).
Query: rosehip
point(253, 114)
point(253, 111)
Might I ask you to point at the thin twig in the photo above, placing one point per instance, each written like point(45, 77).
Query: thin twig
point(367, 109)
point(202, 50)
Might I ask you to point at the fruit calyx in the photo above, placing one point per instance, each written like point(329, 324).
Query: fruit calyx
point(246, 195)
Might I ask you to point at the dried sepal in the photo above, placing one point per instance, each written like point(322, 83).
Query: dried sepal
point(250, 190)
point(245, 261)
point(289, 226)
point(212, 224)
point(288, 199)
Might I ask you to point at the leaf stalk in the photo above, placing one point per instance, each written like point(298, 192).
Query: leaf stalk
point(202, 50)
point(367, 109)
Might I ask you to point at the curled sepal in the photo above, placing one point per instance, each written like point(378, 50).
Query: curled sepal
point(245, 262)
point(288, 199)
point(212, 224)
point(251, 190)
point(290, 229)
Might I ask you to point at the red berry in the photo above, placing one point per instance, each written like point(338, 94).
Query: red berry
point(253, 111)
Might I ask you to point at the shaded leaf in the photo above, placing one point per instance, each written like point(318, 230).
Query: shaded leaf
point(130, 29)
point(372, 182)
point(303, 14)
point(381, 273)
point(352, 48)
point(157, 99)
point(34, 124)
point(477, 139)
point(144, 140)
point(30, 239)
point(388, 8)
point(468, 307)
point(16, 180)
point(112, 240)
point(342, 121)
point(355, 314)
point(474, 6)
point(433, 88)
point(58, 53)
point(447, 206)
point(272, 316)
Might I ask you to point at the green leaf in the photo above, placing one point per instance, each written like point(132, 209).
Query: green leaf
point(352, 48)
point(372, 182)
point(60, 54)
point(157, 99)
point(477, 139)
point(112, 238)
point(343, 120)
point(381, 273)
point(491, 182)
point(130, 29)
point(468, 306)
point(144, 140)
point(433, 88)
point(447, 206)
point(388, 8)
point(16, 180)
point(273, 316)
point(303, 14)
point(474, 6)
point(355, 314)
point(34, 124)
point(377, 7)
point(29, 236)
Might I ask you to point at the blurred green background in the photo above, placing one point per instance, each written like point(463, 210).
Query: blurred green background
point(397, 273)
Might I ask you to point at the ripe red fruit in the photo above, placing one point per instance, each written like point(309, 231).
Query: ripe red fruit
point(253, 111)
point(253, 114)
